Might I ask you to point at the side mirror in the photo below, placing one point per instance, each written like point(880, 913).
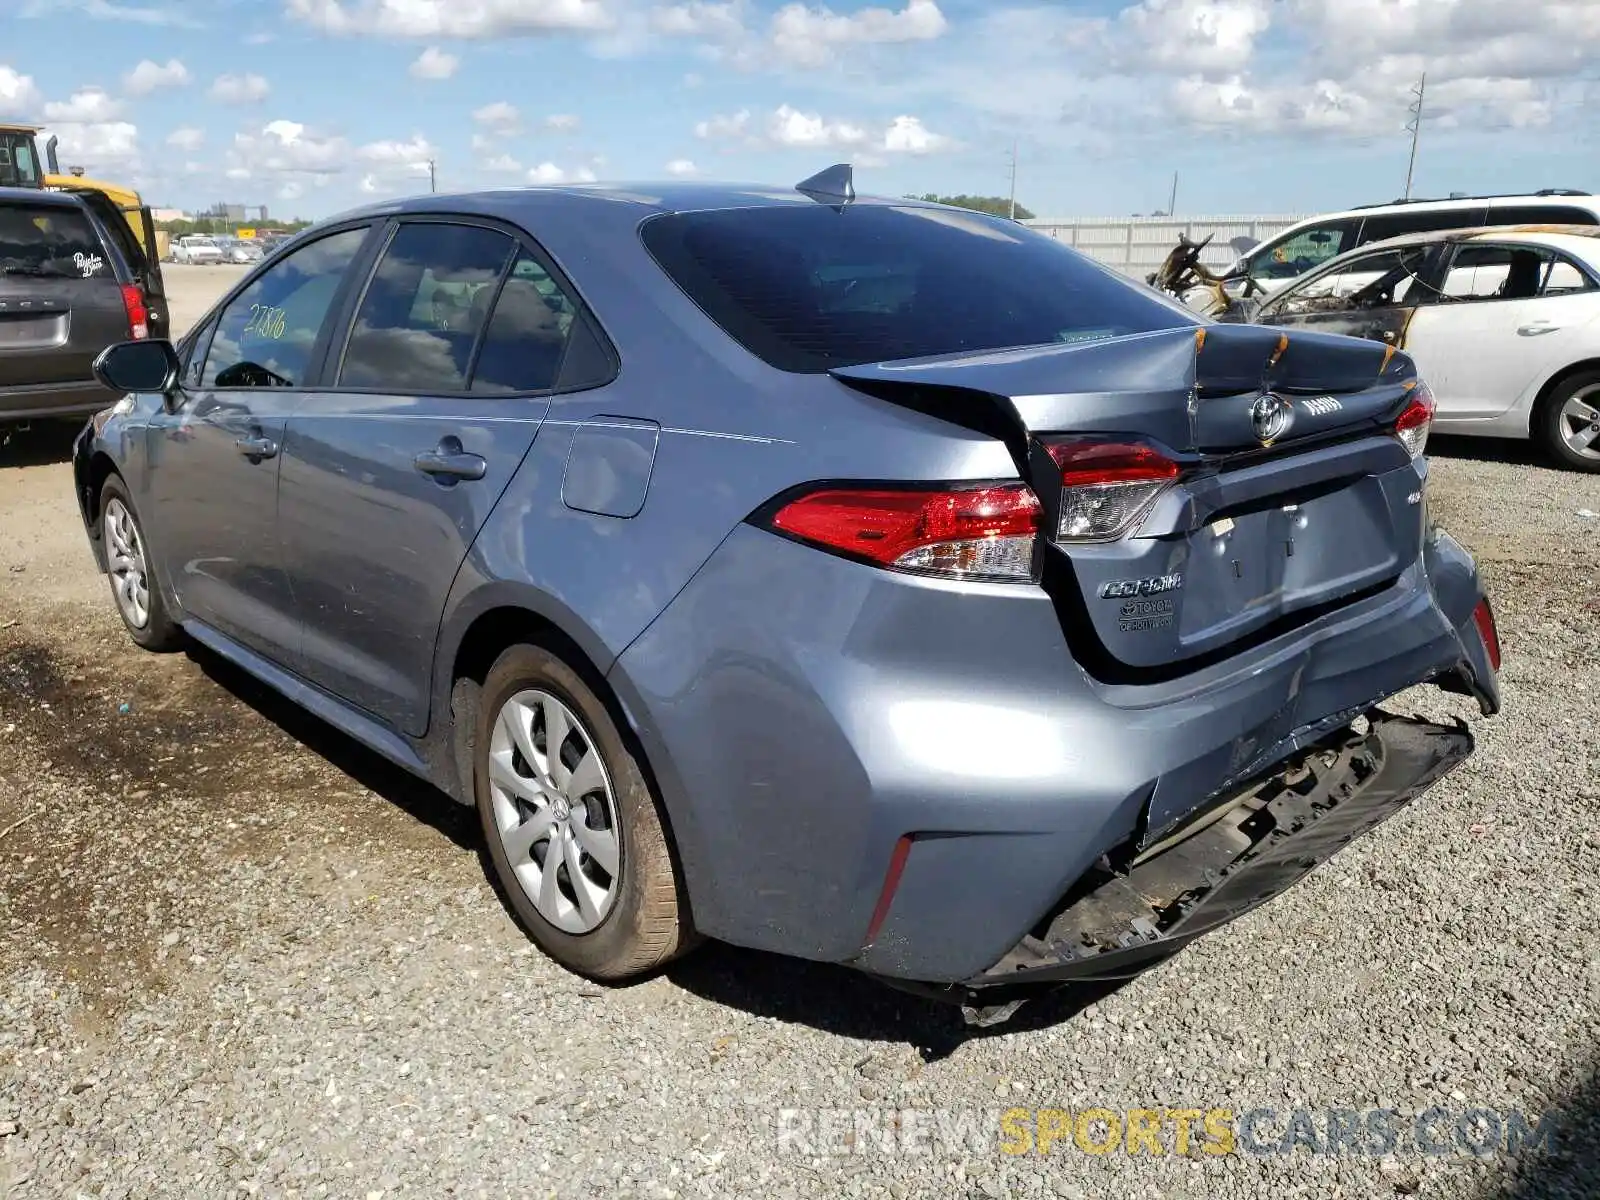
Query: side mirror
point(144, 366)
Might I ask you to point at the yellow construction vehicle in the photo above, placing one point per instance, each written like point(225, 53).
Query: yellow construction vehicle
point(20, 166)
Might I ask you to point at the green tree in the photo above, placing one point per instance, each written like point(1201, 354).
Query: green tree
point(996, 206)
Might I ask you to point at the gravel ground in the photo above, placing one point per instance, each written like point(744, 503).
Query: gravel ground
point(241, 956)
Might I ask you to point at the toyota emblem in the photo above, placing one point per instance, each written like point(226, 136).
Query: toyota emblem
point(1269, 418)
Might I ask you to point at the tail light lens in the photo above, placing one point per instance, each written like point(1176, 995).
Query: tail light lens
point(1107, 487)
point(133, 304)
point(1415, 421)
point(971, 533)
point(1483, 618)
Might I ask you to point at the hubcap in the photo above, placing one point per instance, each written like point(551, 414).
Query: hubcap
point(126, 564)
point(1580, 422)
point(555, 810)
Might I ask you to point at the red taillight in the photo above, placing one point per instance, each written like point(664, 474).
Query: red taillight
point(1416, 419)
point(891, 883)
point(1483, 618)
point(1107, 486)
point(138, 313)
point(978, 533)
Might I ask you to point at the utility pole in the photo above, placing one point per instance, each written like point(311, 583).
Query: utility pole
point(433, 182)
point(1415, 128)
point(1013, 179)
point(1172, 204)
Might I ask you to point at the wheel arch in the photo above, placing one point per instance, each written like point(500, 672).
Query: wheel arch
point(505, 615)
point(1552, 387)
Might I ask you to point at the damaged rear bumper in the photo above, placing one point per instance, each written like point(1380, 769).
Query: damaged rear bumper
point(1118, 922)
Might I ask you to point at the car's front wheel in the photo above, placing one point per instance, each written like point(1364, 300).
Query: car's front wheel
point(1568, 423)
point(138, 596)
point(572, 830)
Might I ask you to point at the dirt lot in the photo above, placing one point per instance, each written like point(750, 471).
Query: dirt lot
point(241, 956)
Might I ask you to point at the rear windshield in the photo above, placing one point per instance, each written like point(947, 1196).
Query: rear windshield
point(811, 288)
point(50, 240)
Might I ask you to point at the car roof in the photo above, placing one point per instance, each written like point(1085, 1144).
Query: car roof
point(16, 195)
point(645, 198)
point(1478, 233)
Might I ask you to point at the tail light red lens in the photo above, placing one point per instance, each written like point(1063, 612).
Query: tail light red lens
point(969, 533)
point(133, 304)
point(1483, 618)
point(1107, 486)
point(1416, 419)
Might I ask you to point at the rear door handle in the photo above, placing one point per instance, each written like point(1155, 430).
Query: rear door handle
point(1536, 327)
point(257, 447)
point(449, 461)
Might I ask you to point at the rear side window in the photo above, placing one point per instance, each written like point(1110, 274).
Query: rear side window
point(50, 240)
point(808, 288)
point(423, 309)
point(528, 333)
point(1399, 224)
point(1544, 214)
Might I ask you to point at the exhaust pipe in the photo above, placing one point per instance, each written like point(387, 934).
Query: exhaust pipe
point(50, 155)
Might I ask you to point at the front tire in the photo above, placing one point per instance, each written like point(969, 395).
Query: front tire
point(134, 588)
point(574, 835)
point(1568, 422)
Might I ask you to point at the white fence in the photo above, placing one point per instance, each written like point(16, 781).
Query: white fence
point(1136, 246)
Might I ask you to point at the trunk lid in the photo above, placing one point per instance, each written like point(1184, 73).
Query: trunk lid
point(1283, 506)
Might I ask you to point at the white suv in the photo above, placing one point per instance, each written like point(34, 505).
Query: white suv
point(1304, 247)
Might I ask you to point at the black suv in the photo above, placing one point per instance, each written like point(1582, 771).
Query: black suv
point(73, 280)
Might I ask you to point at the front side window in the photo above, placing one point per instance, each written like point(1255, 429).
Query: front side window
point(808, 288)
point(1378, 280)
point(266, 335)
point(50, 241)
point(1303, 251)
point(424, 307)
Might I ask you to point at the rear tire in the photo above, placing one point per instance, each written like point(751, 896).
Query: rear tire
point(134, 587)
point(575, 837)
point(1568, 415)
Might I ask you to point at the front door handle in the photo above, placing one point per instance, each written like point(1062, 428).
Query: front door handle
point(257, 447)
point(1537, 327)
point(449, 462)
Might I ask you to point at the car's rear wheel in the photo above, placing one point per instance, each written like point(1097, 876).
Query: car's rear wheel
point(574, 834)
point(138, 596)
point(1568, 423)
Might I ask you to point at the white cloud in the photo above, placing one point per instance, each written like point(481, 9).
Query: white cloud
point(548, 173)
point(809, 36)
point(288, 148)
point(18, 95)
point(290, 191)
point(1205, 37)
point(722, 128)
point(150, 76)
point(790, 127)
point(502, 164)
point(114, 10)
point(562, 122)
point(89, 106)
point(682, 168)
point(699, 18)
point(412, 154)
point(452, 18)
point(187, 138)
point(96, 146)
point(484, 145)
point(434, 63)
point(239, 89)
point(908, 135)
point(499, 115)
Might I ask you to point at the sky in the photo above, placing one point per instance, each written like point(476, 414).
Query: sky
point(1258, 106)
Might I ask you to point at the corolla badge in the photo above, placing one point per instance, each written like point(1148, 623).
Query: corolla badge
point(1270, 417)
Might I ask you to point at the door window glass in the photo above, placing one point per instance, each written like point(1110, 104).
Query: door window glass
point(265, 336)
point(1545, 214)
point(1303, 251)
point(1483, 272)
point(423, 310)
point(1439, 220)
point(1564, 277)
point(528, 333)
point(1378, 280)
